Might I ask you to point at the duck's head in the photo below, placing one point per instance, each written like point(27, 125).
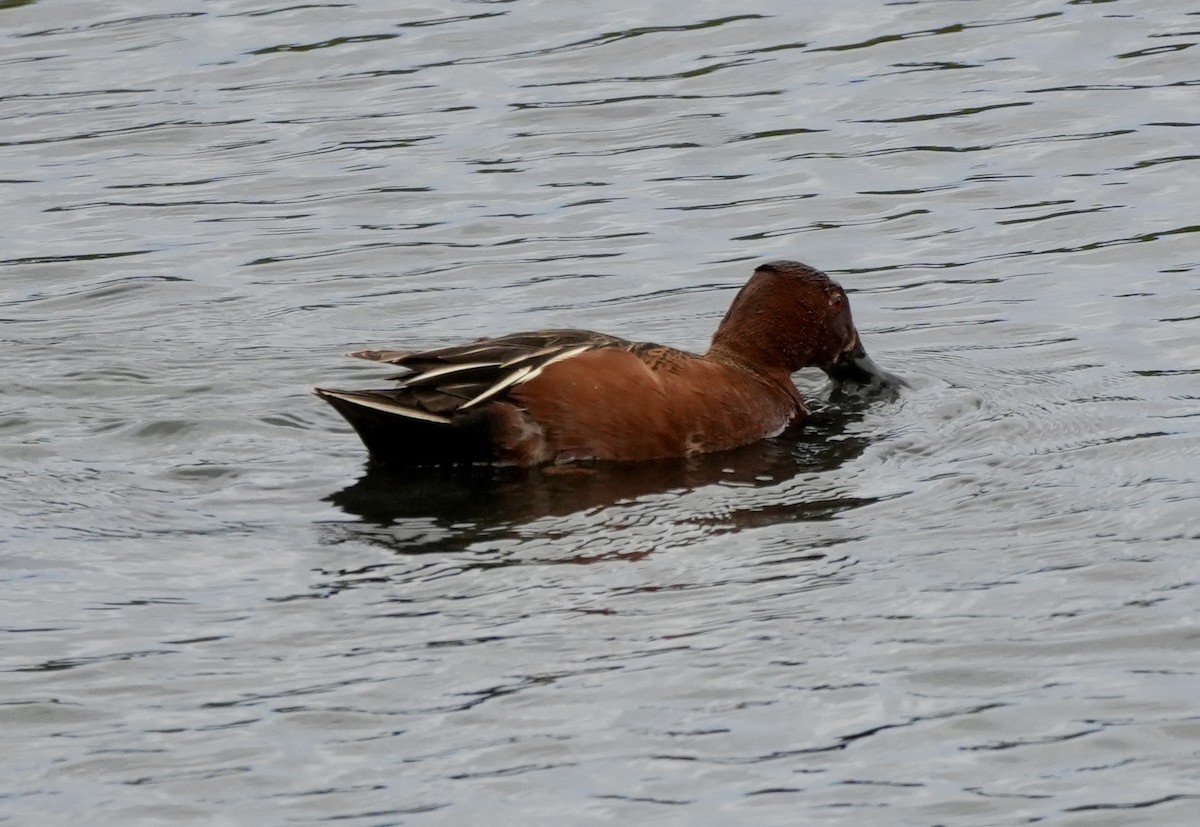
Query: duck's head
point(791, 316)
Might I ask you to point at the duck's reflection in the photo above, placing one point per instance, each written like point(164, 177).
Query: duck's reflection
point(445, 509)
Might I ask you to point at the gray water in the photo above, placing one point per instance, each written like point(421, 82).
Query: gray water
point(976, 605)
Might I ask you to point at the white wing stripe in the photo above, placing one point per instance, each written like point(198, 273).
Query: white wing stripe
point(422, 378)
point(512, 379)
point(566, 354)
point(411, 413)
point(526, 357)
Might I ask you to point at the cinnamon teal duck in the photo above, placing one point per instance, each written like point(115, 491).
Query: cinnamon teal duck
point(555, 396)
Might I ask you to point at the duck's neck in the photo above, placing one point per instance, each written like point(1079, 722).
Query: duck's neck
point(757, 341)
point(774, 375)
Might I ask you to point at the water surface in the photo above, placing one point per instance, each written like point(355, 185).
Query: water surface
point(974, 605)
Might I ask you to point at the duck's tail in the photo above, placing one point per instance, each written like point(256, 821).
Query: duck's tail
point(396, 433)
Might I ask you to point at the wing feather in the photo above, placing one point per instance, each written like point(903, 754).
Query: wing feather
point(439, 383)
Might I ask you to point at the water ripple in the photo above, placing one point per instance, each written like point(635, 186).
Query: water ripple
point(969, 605)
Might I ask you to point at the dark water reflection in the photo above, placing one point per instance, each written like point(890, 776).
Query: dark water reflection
point(475, 504)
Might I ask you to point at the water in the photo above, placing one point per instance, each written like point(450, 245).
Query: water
point(973, 606)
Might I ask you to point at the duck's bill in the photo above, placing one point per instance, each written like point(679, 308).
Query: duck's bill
point(855, 367)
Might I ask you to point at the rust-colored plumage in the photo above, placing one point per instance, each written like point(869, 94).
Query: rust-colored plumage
point(563, 395)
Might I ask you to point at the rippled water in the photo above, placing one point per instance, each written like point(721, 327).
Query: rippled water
point(976, 605)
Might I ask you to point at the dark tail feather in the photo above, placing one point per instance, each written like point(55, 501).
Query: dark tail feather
point(395, 438)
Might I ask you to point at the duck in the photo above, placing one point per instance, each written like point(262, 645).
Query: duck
point(557, 396)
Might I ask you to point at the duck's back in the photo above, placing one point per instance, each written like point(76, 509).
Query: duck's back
point(560, 395)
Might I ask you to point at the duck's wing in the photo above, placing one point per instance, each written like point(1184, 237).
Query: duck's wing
point(438, 384)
